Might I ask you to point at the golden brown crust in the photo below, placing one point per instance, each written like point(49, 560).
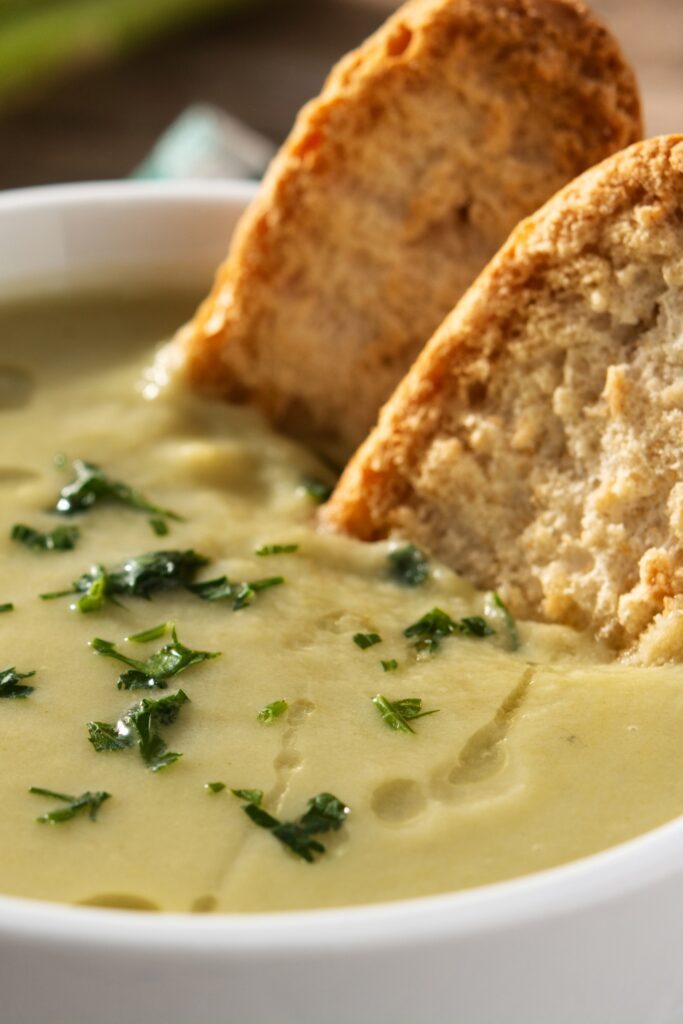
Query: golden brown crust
point(557, 382)
point(395, 187)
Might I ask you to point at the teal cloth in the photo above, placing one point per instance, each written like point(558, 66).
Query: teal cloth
point(205, 142)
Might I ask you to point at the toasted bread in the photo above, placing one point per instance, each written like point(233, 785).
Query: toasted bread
point(427, 145)
point(537, 443)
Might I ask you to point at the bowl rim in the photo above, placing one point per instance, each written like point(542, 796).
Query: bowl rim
point(72, 193)
point(593, 881)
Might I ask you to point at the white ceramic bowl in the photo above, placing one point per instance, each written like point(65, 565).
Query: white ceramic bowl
point(599, 941)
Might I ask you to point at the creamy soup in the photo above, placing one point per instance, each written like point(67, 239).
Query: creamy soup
point(524, 755)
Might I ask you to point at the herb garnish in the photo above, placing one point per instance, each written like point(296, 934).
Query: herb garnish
point(159, 526)
point(398, 713)
point(172, 659)
point(390, 666)
point(324, 813)
point(90, 802)
point(153, 633)
point(276, 549)
point(496, 610)
point(137, 577)
point(95, 593)
point(7, 607)
point(316, 489)
point(253, 796)
point(436, 624)
point(214, 787)
point(474, 625)
point(241, 594)
point(365, 640)
point(92, 485)
point(272, 711)
point(430, 629)
point(63, 538)
point(409, 566)
point(10, 685)
point(141, 725)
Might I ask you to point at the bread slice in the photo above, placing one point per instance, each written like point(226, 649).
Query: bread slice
point(537, 443)
point(397, 185)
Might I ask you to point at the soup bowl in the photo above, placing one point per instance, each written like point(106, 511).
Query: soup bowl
point(597, 941)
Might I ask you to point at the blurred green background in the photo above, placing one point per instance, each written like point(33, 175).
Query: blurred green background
point(88, 86)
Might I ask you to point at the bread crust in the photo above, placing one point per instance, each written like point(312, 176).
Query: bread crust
point(397, 184)
point(558, 382)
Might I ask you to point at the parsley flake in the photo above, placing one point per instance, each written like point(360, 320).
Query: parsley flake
point(389, 666)
point(7, 607)
point(272, 711)
point(253, 796)
point(10, 685)
point(436, 625)
point(365, 640)
point(141, 576)
point(63, 538)
point(408, 566)
point(105, 736)
point(430, 630)
point(172, 659)
point(141, 724)
point(496, 611)
point(324, 813)
point(153, 633)
point(90, 802)
point(214, 787)
point(159, 526)
point(241, 594)
point(92, 485)
point(316, 489)
point(474, 625)
point(95, 594)
point(276, 549)
point(398, 714)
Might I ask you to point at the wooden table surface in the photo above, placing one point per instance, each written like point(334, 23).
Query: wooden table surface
point(100, 122)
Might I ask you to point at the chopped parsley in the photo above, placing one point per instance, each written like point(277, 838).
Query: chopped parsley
point(430, 630)
point(11, 685)
point(474, 625)
point(95, 594)
point(214, 787)
point(141, 725)
point(272, 711)
point(436, 625)
point(408, 566)
point(153, 633)
point(90, 802)
point(159, 526)
point(390, 665)
point(496, 610)
point(398, 714)
point(92, 485)
point(316, 489)
point(172, 659)
point(136, 577)
point(7, 607)
point(105, 736)
point(241, 594)
point(365, 640)
point(156, 570)
point(276, 549)
point(324, 813)
point(252, 796)
point(63, 538)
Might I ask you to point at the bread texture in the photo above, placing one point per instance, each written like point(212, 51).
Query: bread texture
point(537, 444)
point(397, 184)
